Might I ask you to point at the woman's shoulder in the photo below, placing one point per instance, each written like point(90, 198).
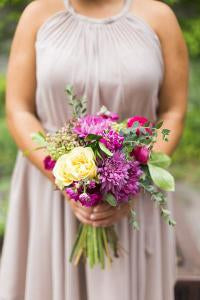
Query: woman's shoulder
point(37, 11)
point(160, 16)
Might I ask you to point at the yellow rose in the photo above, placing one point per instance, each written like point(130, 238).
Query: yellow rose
point(76, 165)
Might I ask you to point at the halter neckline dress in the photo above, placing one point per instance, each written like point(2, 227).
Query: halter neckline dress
point(117, 62)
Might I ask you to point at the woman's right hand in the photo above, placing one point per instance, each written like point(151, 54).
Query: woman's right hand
point(81, 212)
point(86, 215)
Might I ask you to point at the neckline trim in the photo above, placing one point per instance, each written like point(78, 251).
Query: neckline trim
point(123, 11)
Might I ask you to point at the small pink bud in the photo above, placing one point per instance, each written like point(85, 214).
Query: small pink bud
point(49, 163)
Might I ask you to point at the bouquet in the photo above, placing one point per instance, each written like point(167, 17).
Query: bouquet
point(96, 159)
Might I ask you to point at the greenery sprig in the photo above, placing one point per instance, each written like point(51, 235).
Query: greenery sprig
point(79, 105)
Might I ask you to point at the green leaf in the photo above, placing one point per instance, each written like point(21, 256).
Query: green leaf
point(27, 152)
point(39, 138)
point(105, 149)
point(110, 199)
point(159, 125)
point(92, 137)
point(103, 110)
point(162, 178)
point(160, 159)
point(69, 89)
point(133, 220)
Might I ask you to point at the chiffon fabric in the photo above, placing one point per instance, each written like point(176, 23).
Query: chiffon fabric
point(117, 62)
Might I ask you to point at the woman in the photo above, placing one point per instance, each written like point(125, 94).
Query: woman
point(130, 56)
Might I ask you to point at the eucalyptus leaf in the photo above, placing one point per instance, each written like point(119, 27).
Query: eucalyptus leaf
point(135, 125)
point(160, 159)
point(39, 138)
point(162, 178)
point(110, 199)
point(105, 149)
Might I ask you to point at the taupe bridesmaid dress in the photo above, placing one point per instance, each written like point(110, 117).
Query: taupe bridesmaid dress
point(117, 62)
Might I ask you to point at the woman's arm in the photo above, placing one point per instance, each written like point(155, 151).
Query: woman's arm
point(21, 83)
point(20, 92)
point(174, 91)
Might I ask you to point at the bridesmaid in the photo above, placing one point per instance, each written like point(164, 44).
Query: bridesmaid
point(130, 56)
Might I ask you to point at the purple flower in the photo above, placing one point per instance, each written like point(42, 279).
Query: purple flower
point(120, 177)
point(141, 154)
point(112, 140)
point(86, 199)
point(49, 163)
point(89, 200)
point(72, 194)
point(92, 185)
point(91, 125)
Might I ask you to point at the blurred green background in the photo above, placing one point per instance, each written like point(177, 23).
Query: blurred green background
point(186, 159)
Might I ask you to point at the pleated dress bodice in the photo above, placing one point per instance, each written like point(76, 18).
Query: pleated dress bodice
point(115, 61)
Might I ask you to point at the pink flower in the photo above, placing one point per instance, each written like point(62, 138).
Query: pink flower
point(141, 154)
point(91, 125)
point(139, 119)
point(142, 121)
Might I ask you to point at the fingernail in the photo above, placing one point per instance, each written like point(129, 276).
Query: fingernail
point(92, 216)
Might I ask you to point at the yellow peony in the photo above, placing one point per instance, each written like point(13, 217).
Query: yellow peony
point(76, 165)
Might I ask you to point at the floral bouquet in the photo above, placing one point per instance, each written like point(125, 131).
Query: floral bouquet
point(96, 159)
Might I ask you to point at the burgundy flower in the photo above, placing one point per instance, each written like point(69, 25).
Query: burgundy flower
point(141, 154)
point(112, 116)
point(90, 200)
point(106, 114)
point(49, 163)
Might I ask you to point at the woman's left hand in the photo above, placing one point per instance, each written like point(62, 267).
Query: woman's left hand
point(99, 218)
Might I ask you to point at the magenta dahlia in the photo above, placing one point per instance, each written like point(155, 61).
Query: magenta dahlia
point(120, 177)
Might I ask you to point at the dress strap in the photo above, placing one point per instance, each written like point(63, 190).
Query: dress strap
point(66, 3)
point(127, 5)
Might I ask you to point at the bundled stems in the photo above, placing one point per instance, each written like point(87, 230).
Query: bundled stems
point(94, 244)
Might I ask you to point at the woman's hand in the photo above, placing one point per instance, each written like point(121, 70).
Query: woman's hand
point(104, 215)
point(100, 215)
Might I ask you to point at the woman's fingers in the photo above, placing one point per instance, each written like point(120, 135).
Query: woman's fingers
point(102, 215)
point(84, 212)
point(114, 218)
point(102, 207)
point(82, 219)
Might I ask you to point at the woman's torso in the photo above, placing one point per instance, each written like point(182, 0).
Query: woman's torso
point(116, 62)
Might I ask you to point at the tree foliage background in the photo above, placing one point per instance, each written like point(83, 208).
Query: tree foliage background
point(187, 11)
